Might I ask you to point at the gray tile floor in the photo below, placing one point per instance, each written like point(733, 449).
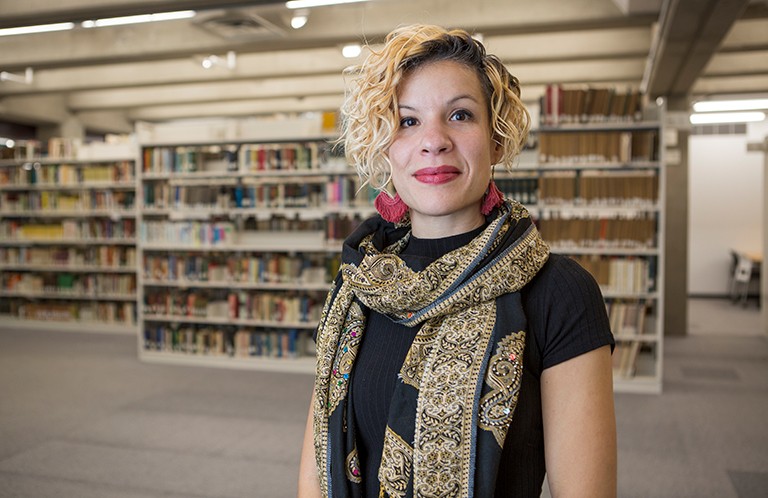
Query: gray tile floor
point(81, 417)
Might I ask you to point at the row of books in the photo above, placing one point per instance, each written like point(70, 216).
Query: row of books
point(226, 341)
point(627, 318)
point(638, 233)
point(626, 357)
point(348, 191)
point(22, 150)
point(89, 229)
point(70, 201)
point(620, 274)
point(99, 256)
point(69, 283)
point(271, 157)
point(524, 190)
point(602, 188)
point(589, 104)
point(280, 223)
point(58, 175)
point(340, 191)
point(223, 233)
point(596, 147)
point(57, 311)
point(233, 157)
point(188, 159)
point(63, 147)
point(162, 195)
point(278, 307)
point(241, 268)
point(338, 227)
point(191, 233)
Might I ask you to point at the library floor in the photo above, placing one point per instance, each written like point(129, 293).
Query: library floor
point(81, 417)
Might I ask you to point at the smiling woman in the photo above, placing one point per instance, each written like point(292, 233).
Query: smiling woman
point(445, 362)
point(443, 151)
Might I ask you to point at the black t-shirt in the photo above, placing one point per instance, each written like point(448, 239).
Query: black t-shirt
point(566, 317)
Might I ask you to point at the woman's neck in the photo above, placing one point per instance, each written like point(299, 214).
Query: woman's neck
point(436, 227)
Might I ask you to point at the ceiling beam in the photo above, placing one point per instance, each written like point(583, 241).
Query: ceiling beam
point(27, 13)
point(688, 35)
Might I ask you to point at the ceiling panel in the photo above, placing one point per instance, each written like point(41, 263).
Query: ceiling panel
point(153, 71)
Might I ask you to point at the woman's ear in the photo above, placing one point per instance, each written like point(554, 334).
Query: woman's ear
point(497, 152)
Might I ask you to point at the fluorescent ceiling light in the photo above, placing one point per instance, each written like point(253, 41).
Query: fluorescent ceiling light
point(727, 117)
point(305, 4)
point(730, 105)
point(298, 22)
point(40, 28)
point(299, 19)
point(26, 78)
point(351, 51)
point(230, 62)
point(110, 21)
point(142, 18)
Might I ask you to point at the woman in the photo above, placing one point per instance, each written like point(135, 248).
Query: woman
point(456, 356)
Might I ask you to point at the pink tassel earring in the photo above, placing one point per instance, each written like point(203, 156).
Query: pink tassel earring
point(392, 209)
point(493, 199)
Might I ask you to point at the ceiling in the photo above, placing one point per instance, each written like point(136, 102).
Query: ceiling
point(108, 78)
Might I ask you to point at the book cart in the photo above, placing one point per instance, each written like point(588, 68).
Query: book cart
point(67, 243)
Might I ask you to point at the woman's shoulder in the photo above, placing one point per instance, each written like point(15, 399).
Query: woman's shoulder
point(562, 273)
point(565, 311)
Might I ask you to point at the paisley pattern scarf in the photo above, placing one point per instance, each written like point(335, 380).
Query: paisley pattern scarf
point(461, 377)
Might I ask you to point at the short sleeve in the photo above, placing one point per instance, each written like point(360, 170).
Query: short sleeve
point(566, 311)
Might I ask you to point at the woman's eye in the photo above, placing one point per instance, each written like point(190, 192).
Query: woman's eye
point(461, 115)
point(406, 122)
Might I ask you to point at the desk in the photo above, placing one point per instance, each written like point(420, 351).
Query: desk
point(746, 267)
point(755, 257)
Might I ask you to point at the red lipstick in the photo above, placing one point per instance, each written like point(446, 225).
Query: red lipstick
point(438, 175)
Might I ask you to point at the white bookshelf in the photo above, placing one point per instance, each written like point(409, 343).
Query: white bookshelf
point(67, 243)
point(249, 228)
point(599, 232)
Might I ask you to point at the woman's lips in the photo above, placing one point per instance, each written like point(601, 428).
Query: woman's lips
point(438, 175)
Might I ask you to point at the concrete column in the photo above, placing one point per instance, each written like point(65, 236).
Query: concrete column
point(69, 127)
point(675, 248)
point(764, 268)
point(72, 127)
point(763, 147)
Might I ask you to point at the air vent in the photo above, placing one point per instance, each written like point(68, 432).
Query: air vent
point(237, 25)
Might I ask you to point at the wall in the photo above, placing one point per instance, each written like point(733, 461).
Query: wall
point(725, 206)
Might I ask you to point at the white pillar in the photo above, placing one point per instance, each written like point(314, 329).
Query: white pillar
point(763, 147)
point(764, 269)
point(72, 127)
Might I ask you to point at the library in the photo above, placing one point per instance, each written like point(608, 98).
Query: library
point(174, 202)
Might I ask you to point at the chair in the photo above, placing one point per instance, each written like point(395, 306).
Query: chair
point(743, 271)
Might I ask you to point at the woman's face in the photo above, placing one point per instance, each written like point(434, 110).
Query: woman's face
point(443, 151)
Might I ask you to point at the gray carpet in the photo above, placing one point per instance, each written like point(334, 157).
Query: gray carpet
point(81, 417)
point(707, 434)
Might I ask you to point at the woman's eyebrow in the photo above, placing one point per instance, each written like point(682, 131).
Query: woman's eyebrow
point(450, 101)
point(462, 97)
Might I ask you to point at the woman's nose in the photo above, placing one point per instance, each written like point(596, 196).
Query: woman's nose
point(435, 139)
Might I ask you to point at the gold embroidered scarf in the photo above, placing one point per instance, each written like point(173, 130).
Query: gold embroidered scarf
point(461, 377)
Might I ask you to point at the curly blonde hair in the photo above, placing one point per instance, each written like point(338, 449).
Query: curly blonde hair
point(370, 116)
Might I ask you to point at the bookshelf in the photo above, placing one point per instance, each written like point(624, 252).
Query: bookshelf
point(67, 243)
point(237, 246)
point(596, 186)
